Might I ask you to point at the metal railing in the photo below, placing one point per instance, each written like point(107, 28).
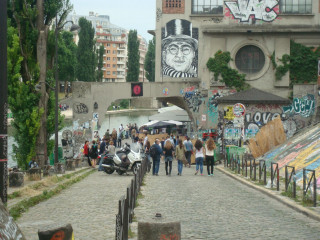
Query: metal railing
point(275, 173)
point(290, 178)
point(128, 203)
point(263, 169)
point(306, 188)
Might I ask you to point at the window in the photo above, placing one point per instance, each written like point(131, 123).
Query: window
point(114, 59)
point(108, 58)
point(207, 6)
point(114, 51)
point(250, 59)
point(114, 73)
point(108, 44)
point(114, 65)
point(108, 65)
point(108, 51)
point(108, 72)
point(114, 45)
point(296, 6)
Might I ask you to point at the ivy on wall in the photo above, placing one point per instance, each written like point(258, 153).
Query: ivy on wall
point(219, 65)
point(302, 64)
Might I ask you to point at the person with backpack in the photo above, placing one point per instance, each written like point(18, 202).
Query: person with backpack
point(94, 153)
point(155, 153)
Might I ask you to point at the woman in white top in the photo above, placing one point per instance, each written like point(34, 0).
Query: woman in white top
point(199, 156)
point(210, 146)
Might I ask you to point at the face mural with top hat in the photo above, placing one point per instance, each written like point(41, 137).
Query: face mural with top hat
point(179, 47)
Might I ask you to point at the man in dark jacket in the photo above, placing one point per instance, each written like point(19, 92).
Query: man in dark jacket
point(156, 158)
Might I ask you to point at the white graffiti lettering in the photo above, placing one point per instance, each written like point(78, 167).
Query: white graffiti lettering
point(259, 9)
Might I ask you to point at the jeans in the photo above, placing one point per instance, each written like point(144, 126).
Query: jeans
point(100, 163)
point(168, 161)
point(199, 162)
point(188, 157)
point(156, 165)
point(210, 163)
point(180, 166)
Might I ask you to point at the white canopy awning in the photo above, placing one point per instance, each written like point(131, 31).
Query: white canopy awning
point(176, 115)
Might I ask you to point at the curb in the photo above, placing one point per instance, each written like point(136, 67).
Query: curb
point(288, 202)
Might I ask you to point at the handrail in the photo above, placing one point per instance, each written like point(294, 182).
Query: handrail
point(263, 169)
point(288, 179)
point(275, 172)
point(305, 189)
point(128, 203)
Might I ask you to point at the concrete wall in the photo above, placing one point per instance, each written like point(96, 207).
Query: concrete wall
point(226, 32)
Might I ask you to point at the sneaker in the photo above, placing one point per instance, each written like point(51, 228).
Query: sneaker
point(212, 174)
point(196, 173)
point(178, 174)
point(201, 174)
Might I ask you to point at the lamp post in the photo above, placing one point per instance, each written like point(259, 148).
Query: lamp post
point(3, 102)
point(56, 90)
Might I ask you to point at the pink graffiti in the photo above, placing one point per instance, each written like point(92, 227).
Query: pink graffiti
point(318, 183)
point(299, 146)
point(288, 159)
point(189, 89)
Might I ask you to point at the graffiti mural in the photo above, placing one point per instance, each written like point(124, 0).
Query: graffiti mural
point(301, 152)
point(179, 48)
point(243, 10)
point(212, 106)
point(304, 106)
point(80, 108)
point(193, 100)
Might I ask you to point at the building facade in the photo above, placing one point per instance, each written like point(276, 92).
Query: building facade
point(114, 39)
point(189, 32)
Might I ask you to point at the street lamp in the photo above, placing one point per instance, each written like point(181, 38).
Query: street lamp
point(74, 27)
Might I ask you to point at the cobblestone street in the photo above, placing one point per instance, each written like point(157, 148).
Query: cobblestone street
point(90, 206)
point(218, 207)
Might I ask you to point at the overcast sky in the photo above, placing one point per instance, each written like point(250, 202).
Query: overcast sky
point(128, 14)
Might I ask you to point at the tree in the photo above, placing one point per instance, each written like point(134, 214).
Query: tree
point(149, 62)
point(86, 59)
point(100, 53)
point(133, 63)
point(32, 114)
point(67, 60)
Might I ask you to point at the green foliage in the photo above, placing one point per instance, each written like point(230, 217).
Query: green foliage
point(23, 72)
point(149, 62)
point(302, 64)
point(124, 103)
point(67, 59)
point(86, 57)
point(219, 65)
point(100, 53)
point(133, 57)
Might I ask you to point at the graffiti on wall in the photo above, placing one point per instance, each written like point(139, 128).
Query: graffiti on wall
point(212, 106)
point(302, 106)
point(193, 98)
point(179, 49)
point(243, 10)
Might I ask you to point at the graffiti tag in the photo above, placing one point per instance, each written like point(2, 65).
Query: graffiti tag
point(80, 108)
point(260, 9)
point(303, 106)
point(193, 99)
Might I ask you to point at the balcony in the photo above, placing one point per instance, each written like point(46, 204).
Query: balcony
point(121, 76)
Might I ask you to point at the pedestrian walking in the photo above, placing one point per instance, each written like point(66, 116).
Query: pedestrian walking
point(168, 156)
point(133, 134)
point(94, 153)
point(155, 152)
point(189, 147)
point(210, 146)
point(147, 152)
point(180, 155)
point(119, 139)
point(86, 152)
point(199, 156)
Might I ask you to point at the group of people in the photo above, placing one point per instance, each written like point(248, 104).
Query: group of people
point(171, 148)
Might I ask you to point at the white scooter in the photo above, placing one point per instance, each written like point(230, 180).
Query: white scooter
point(125, 160)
